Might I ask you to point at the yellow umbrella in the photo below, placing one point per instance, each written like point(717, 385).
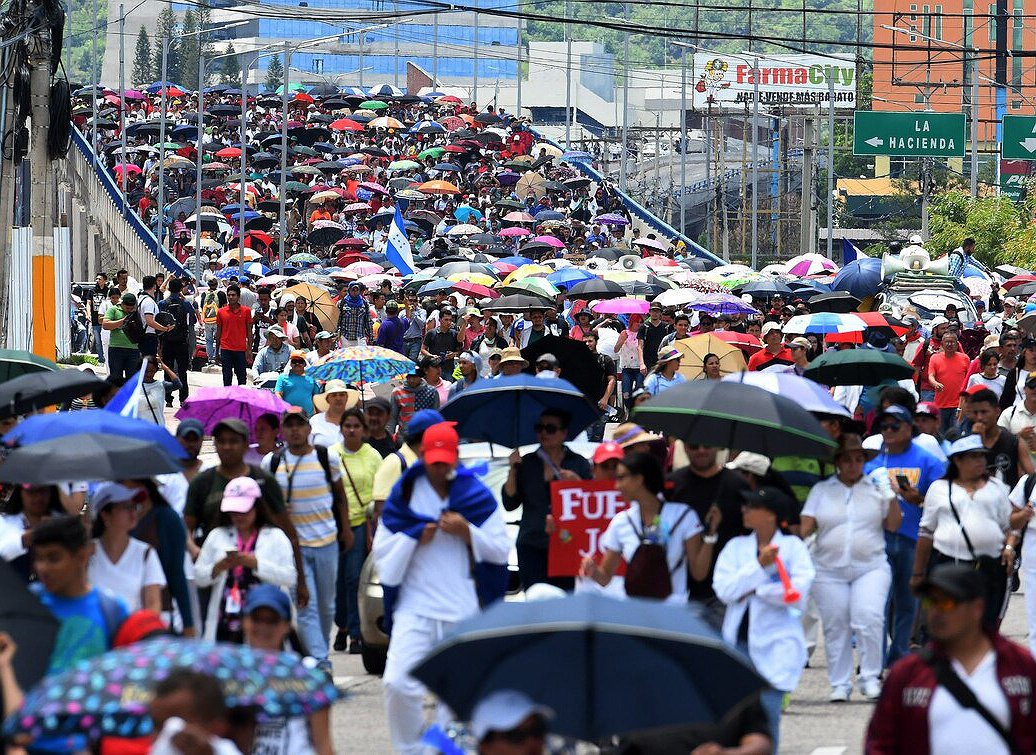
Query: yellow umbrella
point(385, 122)
point(526, 271)
point(319, 301)
point(235, 255)
point(696, 348)
point(482, 279)
point(324, 196)
point(623, 276)
point(550, 149)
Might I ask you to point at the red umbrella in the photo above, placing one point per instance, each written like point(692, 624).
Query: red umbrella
point(1018, 280)
point(747, 343)
point(229, 153)
point(455, 148)
point(853, 337)
point(449, 99)
point(452, 123)
point(475, 289)
point(878, 320)
point(344, 124)
point(352, 243)
point(303, 97)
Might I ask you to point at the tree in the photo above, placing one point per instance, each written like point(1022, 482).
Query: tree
point(165, 28)
point(189, 49)
point(274, 74)
point(230, 67)
point(143, 74)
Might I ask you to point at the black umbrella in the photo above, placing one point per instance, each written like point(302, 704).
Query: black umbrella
point(335, 103)
point(183, 204)
point(37, 390)
point(611, 253)
point(86, 456)
point(578, 364)
point(858, 367)
point(735, 415)
point(32, 627)
point(596, 288)
point(375, 151)
point(224, 110)
point(271, 205)
point(262, 160)
point(837, 301)
point(516, 303)
point(326, 235)
point(260, 223)
point(577, 183)
point(768, 289)
point(487, 118)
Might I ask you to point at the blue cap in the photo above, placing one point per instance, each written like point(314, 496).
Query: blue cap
point(268, 596)
point(422, 420)
point(190, 425)
point(967, 443)
point(899, 412)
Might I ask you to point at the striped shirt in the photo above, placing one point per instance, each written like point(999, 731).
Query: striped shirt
point(308, 496)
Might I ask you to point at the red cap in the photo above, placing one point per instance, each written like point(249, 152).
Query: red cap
point(607, 452)
point(439, 444)
point(927, 408)
point(140, 625)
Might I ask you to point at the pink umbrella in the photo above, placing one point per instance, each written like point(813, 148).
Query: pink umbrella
point(475, 289)
point(357, 207)
point(519, 217)
point(553, 241)
point(134, 94)
point(377, 278)
point(210, 405)
point(623, 306)
point(505, 267)
point(128, 167)
point(811, 264)
point(652, 244)
point(272, 280)
point(375, 187)
point(515, 232)
point(658, 261)
point(364, 268)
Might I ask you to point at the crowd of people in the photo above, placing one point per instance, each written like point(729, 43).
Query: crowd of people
point(901, 545)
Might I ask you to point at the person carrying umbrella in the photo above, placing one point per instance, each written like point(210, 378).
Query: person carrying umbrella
point(438, 521)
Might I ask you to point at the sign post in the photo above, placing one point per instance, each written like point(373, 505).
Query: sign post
point(1019, 137)
point(920, 134)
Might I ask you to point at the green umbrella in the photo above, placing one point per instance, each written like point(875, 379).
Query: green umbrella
point(304, 150)
point(169, 145)
point(295, 187)
point(373, 105)
point(403, 165)
point(292, 87)
point(535, 286)
point(15, 362)
point(514, 204)
point(435, 152)
point(858, 367)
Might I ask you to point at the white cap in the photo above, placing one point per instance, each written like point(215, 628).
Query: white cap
point(965, 444)
point(937, 321)
point(873, 442)
point(770, 327)
point(504, 710)
point(747, 461)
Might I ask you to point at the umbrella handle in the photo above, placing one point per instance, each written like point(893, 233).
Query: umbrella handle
point(791, 595)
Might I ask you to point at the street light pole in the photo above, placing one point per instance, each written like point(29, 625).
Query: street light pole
point(244, 157)
point(160, 240)
point(568, 76)
point(474, 86)
point(122, 91)
point(624, 175)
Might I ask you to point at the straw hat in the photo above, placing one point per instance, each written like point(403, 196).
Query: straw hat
point(513, 354)
point(336, 386)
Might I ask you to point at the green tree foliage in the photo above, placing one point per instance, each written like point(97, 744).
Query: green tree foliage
point(1003, 231)
point(80, 30)
point(230, 66)
point(274, 74)
point(166, 28)
point(143, 73)
point(189, 50)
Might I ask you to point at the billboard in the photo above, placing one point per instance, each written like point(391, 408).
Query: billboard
point(728, 81)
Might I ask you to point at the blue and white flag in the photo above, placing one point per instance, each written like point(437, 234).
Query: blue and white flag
point(850, 252)
point(126, 401)
point(398, 250)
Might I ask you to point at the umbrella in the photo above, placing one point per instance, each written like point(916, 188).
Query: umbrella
point(531, 183)
point(611, 218)
point(696, 348)
point(578, 364)
point(505, 410)
point(858, 367)
point(86, 456)
point(837, 301)
point(210, 405)
point(570, 276)
point(438, 187)
point(596, 289)
point(517, 303)
point(622, 306)
point(44, 427)
point(361, 364)
point(319, 301)
point(767, 289)
point(811, 396)
point(861, 277)
point(535, 286)
point(32, 627)
point(735, 415)
point(604, 666)
point(721, 304)
point(109, 694)
point(303, 258)
point(810, 264)
point(15, 362)
point(326, 235)
point(824, 322)
point(744, 341)
point(36, 390)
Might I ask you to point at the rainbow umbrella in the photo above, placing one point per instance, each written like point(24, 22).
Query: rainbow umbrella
point(361, 364)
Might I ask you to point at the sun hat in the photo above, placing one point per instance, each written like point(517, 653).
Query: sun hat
point(240, 495)
point(336, 386)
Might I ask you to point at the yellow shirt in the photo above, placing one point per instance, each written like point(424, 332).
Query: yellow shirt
point(390, 471)
point(358, 471)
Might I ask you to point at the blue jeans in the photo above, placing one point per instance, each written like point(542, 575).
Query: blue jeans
point(321, 568)
point(773, 701)
point(210, 343)
point(233, 364)
point(350, 562)
point(947, 419)
point(412, 349)
point(631, 381)
point(927, 395)
point(901, 607)
point(98, 344)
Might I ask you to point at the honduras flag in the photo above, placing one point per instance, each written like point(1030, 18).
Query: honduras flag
point(126, 401)
point(850, 252)
point(398, 250)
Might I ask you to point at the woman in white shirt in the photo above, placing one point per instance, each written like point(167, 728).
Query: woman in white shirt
point(125, 566)
point(850, 513)
point(760, 619)
point(29, 505)
point(245, 550)
point(1023, 518)
point(966, 519)
point(989, 377)
point(653, 521)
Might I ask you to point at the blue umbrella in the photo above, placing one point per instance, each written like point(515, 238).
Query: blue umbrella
point(361, 364)
point(861, 277)
point(233, 271)
point(569, 276)
point(577, 156)
point(604, 666)
point(515, 260)
point(811, 396)
point(41, 427)
point(505, 410)
point(427, 127)
point(435, 286)
point(446, 167)
point(467, 214)
point(256, 268)
point(544, 215)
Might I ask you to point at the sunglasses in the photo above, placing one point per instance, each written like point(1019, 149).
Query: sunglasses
point(889, 426)
point(542, 427)
point(942, 605)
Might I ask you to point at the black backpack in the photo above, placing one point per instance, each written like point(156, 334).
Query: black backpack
point(177, 307)
point(134, 328)
point(648, 574)
point(325, 462)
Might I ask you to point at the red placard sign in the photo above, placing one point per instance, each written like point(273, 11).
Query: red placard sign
point(582, 511)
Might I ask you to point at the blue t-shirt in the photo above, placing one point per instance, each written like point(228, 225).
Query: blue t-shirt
point(921, 468)
point(298, 390)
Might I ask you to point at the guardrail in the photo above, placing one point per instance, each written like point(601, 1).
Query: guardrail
point(645, 216)
point(128, 237)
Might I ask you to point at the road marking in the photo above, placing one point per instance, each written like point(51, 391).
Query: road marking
point(828, 751)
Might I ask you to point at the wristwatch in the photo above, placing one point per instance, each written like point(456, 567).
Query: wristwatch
point(710, 539)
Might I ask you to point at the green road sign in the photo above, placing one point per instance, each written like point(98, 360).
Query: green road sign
point(908, 134)
point(1019, 142)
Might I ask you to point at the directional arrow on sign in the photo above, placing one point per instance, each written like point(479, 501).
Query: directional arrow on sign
point(1028, 144)
point(876, 142)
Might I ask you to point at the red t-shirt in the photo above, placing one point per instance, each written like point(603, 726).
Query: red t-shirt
point(762, 359)
point(951, 371)
point(234, 328)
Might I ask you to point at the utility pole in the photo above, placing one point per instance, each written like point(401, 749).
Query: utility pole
point(44, 330)
point(830, 164)
point(435, 52)
point(568, 76)
point(807, 227)
point(624, 167)
point(160, 234)
point(755, 156)
point(683, 142)
point(244, 157)
point(475, 41)
point(974, 127)
point(122, 105)
point(1000, 76)
point(395, 33)
point(518, 65)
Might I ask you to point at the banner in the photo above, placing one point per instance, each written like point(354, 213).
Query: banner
point(582, 510)
point(784, 80)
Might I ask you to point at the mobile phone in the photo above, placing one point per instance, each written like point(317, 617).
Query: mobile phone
point(231, 552)
point(902, 481)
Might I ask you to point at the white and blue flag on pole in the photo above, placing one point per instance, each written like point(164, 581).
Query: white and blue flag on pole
point(398, 249)
point(126, 401)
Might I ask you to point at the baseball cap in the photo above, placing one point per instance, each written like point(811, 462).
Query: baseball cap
point(928, 409)
point(421, 421)
point(937, 321)
point(548, 358)
point(108, 493)
point(324, 334)
point(268, 596)
point(275, 330)
point(139, 625)
point(298, 356)
point(747, 461)
point(439, 444)
point(239, 495)
point(391, 306)
point(470, 356)
point(233, 424)
point(189, 426)
point(770, 498)
point(608, 451)
point(504, 710)
point(800, 341)
point(295, 412)
point(963, 583)
point(379, 402)
point(1011, 301)
point(966, 444)
point(128, 298)
point(897, 411)
point(770, 327)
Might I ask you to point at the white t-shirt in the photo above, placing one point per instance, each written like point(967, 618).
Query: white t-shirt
point(996, 385)
point(952, 728)
point(323, 432)
point(1018, 501)
point(985, 516)
point(849, 523)
point(622, 537)
point(147, 305)
point(137, 568)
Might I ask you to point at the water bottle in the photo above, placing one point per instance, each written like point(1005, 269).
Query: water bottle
point(879, 478)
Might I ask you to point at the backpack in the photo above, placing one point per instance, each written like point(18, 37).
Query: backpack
point(134, 327)
point(209, 307)
point(325, 463)
point(647, 573)
point(178, 308)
